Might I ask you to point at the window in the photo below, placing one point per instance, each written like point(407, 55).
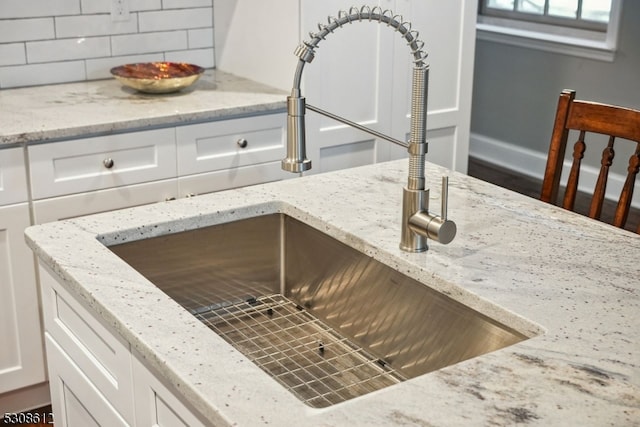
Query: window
point(578, 27)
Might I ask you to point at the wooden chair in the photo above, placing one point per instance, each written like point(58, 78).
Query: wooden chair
point(584, 116)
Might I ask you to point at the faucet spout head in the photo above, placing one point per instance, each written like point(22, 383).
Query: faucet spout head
point(296, 160)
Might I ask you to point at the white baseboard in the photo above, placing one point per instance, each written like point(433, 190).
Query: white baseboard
point(532, 163)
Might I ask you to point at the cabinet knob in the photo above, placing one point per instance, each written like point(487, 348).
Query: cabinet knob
point(242, 142)
point(108, 163)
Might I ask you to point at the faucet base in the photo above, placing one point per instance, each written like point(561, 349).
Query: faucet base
point(413, 201)
point(418, 224)
point(292, 165)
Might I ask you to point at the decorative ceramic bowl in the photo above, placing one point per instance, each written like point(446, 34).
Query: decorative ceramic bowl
point(157, 77)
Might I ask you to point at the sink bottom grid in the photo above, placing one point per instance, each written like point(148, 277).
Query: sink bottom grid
point(306, 356)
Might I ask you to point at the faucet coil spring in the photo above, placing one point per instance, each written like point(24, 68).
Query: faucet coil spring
point(354, 14)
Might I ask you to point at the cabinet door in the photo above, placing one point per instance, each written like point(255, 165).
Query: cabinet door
point(448, 30)
point(21, 352)
point(75, 400)
point(156, 405)
point(350, 76)
point(13, 179)
point(92, 353)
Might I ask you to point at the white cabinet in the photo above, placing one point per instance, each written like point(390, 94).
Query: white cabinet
point(98, 174)
point(362, 72)
point(21, 359)
point(21, 354)
point(76, 401)
point(231, 153)
point(89, 164)
point(86, 357)
point(156, 405)
point(95, 378)
point(13, 179)
point(448, 30)
point(351, 76)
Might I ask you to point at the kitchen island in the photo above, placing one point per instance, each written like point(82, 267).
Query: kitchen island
point(569, 283)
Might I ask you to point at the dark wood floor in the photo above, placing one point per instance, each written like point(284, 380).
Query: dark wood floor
point(531, 187)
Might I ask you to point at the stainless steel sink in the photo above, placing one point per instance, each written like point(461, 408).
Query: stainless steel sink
point(326, 321)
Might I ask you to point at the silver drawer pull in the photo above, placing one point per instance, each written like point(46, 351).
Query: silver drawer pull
point(242, 142)
point(108, 163)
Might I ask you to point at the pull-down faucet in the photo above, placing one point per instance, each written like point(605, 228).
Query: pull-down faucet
point(417, 222)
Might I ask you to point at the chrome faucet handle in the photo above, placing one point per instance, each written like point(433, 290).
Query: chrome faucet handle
point(444, 198)
point(442, 229)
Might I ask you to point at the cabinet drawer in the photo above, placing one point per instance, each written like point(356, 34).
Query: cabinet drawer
point(220, 145)
point(87, 164)
point(13, 180)
point(102, 357)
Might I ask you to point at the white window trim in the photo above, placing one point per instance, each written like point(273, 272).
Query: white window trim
point(565, 40)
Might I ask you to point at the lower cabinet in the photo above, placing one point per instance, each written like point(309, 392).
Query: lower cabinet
point(155, 404)
point(95, 378)
point(21, 356)
point(76, 401)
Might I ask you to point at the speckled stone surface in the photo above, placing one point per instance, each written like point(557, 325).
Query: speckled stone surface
point(53, 112)
point(571, 283)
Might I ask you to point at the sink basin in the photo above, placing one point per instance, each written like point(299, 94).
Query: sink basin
point(326, 321)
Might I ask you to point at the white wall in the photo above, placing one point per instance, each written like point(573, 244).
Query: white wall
point(47, 41)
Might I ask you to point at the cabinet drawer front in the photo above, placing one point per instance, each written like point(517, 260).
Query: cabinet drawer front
point(101, 357)
point(13, 180)
point(230, 143)
point(69, 167)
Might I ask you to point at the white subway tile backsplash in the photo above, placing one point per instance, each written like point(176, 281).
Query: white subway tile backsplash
point(34, 8)
point(104, 6)
point(41, 74)
point(201, 57)
point(68, 49)
point(183, 4)
point(175, 19)
point(92, 25)
point(20, 30)
point(95, 6)
point(146, 5)
point(148, 42)
point(12, 54)
point(55, 41)
point(99, 68)
point(200, 38)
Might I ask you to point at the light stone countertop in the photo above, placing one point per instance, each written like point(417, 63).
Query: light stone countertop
point(577, 279)
point(54, 112)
